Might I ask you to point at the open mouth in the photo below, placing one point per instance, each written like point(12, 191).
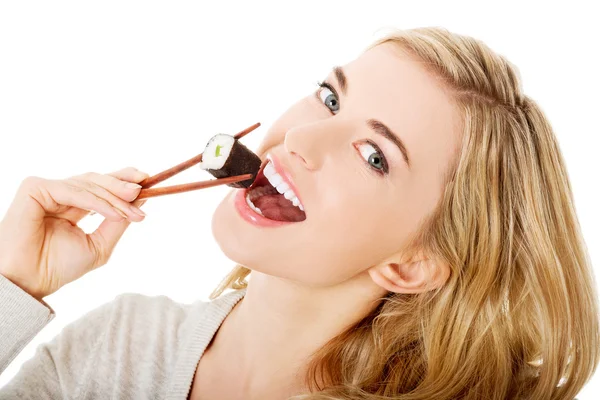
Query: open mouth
point(270, 196)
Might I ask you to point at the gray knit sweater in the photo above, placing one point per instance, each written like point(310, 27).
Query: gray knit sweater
point(134, 347)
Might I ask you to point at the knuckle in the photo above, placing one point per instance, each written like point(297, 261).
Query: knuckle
point(127, 171)
point(86, 176)
point(31, 181)
point(89, 176)
point(74, 186)
point(86, 185)
point(136, 172)
point(32, 185)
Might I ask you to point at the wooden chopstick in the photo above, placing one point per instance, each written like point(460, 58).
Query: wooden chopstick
point(246, 131)
point(187, 187)
point(162, 176)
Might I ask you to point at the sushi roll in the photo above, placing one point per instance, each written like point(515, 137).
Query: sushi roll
point(225, 156)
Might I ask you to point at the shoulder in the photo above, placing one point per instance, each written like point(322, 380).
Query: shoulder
point(132, 332)
point(133, 313)
point(128, 316)
point(139, 327)
point(129, 324)
point(135, 307)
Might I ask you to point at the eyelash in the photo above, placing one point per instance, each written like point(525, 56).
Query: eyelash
point(323, 84)
point(385, 170)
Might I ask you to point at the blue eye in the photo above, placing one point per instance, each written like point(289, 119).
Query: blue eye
point(328, 97)
point(369, 151)
point(373, 156)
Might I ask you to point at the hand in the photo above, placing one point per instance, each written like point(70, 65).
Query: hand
point(41, 246)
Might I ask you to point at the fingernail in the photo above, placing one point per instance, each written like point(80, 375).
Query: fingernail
point(131, 185)
point(138, 211)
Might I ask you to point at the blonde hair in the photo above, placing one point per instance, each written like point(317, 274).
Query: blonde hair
point(518, 317)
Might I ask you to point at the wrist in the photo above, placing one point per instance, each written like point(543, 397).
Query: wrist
point(13, 277)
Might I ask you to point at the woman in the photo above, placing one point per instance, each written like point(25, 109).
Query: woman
point(434, 253)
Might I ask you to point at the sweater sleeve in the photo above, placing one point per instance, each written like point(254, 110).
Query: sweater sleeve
point(55, 370)
point(21, 318)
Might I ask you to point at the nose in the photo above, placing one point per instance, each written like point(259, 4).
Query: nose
point(312, 143)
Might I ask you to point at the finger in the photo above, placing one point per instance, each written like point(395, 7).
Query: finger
point(107, 235)
point(105, 238)
point(128, 174)
point(126, 190)
point(55, 197)
point(125, 207)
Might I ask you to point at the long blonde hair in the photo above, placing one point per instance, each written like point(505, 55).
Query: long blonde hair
point(518, 317)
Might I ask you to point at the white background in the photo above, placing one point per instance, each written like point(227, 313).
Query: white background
point(98, 86)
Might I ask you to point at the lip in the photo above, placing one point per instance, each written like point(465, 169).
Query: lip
point(250, 215)
point(287, 177)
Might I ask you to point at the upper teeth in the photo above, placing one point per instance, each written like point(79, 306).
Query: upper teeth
point(282, 187)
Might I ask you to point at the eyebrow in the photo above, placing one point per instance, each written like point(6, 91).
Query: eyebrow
point(341, 78)
point(378, 126)
point(382, 129)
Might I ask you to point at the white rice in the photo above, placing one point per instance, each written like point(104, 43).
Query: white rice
point(209, 159)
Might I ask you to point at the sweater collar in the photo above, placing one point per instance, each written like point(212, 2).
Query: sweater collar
point(204, 323)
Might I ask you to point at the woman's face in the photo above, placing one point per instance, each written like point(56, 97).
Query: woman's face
point(366, 154)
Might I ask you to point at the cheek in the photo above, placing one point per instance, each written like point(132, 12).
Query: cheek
point(319, 252)
point(355, 230)
point(348, 232)
point(365, 224)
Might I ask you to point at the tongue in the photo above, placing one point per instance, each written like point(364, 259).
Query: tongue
point(277, 207)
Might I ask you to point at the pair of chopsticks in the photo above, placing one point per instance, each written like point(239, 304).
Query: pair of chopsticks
point(147, 183)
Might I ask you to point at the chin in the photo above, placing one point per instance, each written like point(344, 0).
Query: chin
point(228, 230)
point(240, 243)
point(236, 239)
point(262, 250)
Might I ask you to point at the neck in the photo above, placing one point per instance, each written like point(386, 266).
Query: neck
point(272, 332)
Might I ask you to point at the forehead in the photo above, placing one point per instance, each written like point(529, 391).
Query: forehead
point(388, 84)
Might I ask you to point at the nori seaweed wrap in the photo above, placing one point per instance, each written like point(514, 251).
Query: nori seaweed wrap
point(225, 156)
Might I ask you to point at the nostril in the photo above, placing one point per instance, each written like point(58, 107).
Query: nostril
point(301, 158)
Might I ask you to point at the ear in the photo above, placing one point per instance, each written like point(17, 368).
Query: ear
point(415, 276)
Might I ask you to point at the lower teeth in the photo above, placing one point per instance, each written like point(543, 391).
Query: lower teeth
point(252, 206)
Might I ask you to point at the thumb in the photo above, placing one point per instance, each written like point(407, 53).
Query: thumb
point(106, 237)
